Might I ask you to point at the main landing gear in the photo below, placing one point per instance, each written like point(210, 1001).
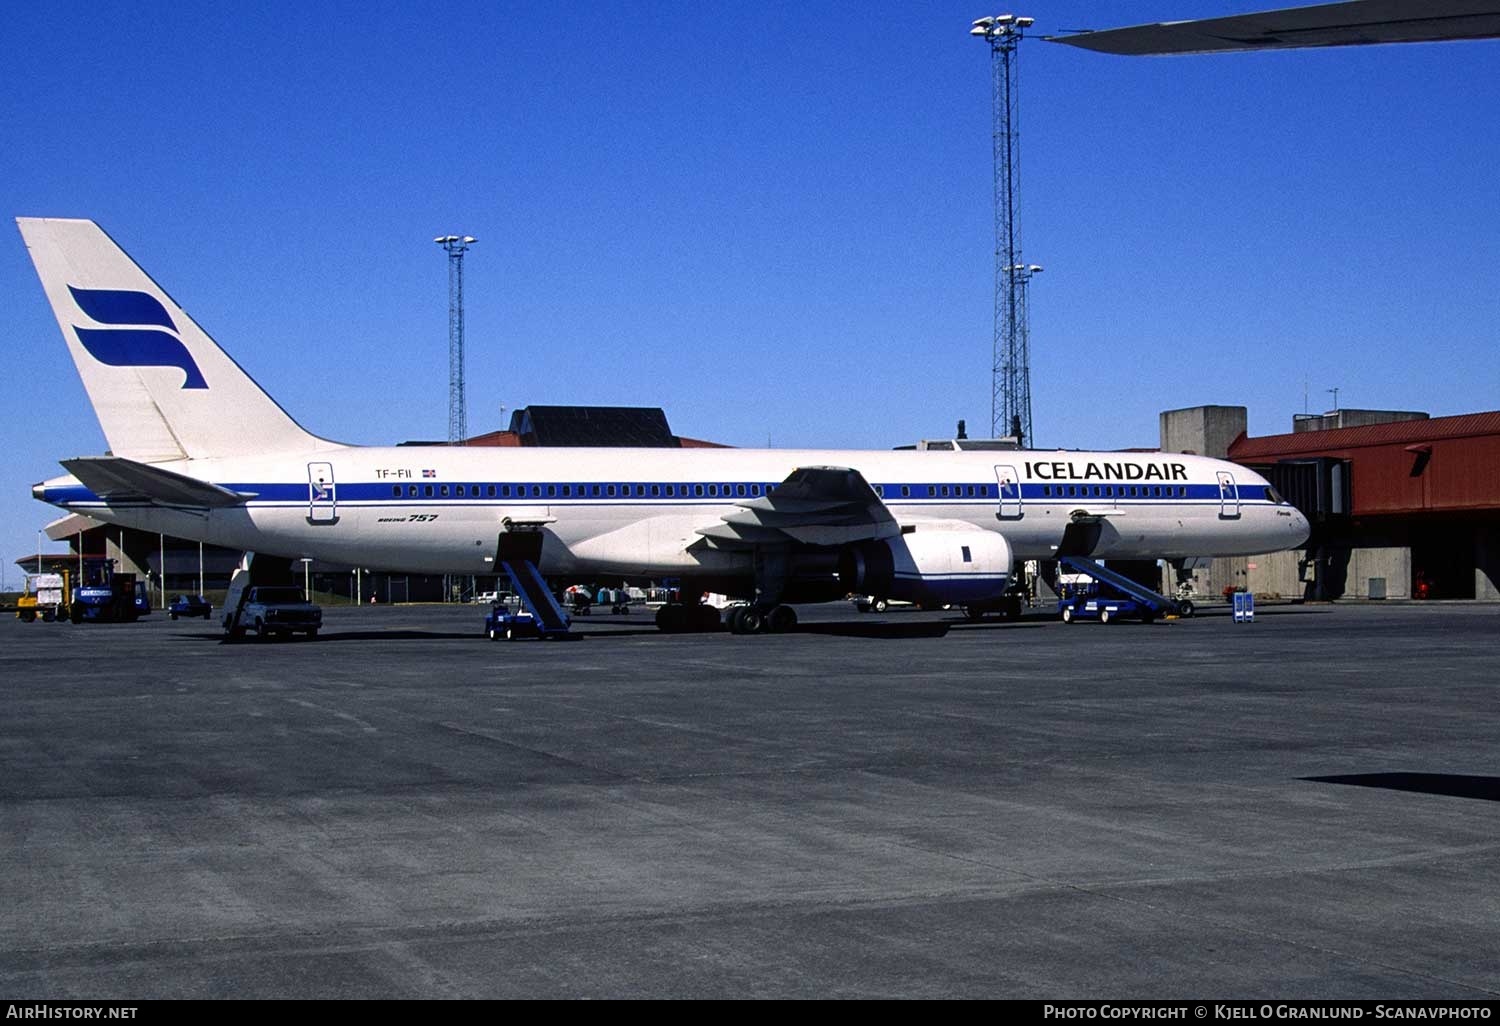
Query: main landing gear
point(680, 618)
point(677, 618)
point(760, 620)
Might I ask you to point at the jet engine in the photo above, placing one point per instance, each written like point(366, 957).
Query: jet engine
point(932, 567)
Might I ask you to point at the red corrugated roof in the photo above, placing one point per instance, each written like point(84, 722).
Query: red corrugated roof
point(1402, 432)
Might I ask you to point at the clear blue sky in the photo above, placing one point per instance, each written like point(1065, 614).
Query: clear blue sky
point(773, 220)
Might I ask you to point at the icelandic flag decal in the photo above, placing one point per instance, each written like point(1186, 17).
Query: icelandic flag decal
point(132, 340)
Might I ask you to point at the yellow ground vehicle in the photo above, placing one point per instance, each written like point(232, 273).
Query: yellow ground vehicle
point(46, 597)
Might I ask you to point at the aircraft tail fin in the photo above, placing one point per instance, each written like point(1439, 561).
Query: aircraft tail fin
point(160, 386)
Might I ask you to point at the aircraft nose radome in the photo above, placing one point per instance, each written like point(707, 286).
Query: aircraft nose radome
point(1301, 528)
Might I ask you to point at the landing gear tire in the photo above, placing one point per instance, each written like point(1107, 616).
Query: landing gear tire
point(781, 620)
point(1185, 609)
point(676, 618)
point(879, 605)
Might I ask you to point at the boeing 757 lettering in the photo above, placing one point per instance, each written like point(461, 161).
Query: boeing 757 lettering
point(199, 451)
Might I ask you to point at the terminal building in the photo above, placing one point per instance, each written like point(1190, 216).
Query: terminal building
point(1403, 506)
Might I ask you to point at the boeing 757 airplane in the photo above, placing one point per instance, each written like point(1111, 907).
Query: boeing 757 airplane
point(199, 451)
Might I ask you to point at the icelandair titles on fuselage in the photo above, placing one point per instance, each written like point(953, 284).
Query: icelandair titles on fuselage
point(1066, 470)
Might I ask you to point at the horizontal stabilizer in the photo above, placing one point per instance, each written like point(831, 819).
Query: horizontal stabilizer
point(116, 479)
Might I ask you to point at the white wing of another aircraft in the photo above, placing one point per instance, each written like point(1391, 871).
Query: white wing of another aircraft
point(1351, 23)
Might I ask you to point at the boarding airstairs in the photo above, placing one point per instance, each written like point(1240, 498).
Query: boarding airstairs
point(1154, 602)
point(517, 554)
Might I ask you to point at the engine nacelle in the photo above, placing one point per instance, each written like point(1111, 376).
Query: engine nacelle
point(933, 567)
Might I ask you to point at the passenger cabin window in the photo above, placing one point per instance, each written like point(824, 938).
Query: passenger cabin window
point(445, 491)
point(427, 491)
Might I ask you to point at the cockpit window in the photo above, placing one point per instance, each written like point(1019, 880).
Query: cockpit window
point(1274, 496)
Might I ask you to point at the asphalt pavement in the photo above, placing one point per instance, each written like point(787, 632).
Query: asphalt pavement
point(902, 805)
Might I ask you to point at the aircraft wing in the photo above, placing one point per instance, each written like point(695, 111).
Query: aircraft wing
point(1350, 23)
point(813, 506)
point(116, 479)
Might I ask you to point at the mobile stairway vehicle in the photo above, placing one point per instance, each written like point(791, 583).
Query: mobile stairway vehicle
point(1092, 590)
point(541, 616)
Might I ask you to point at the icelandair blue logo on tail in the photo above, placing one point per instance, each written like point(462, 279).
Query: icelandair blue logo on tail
point(135, 345)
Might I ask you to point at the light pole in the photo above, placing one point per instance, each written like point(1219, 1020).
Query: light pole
point(1010, 385)
point(458, 415)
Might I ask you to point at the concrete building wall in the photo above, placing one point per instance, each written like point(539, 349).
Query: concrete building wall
point(1204, 430)
point(1487, 563)
point(1277, 574)
point(1388, 566)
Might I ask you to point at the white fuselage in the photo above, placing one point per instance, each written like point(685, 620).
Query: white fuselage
point(637, 511)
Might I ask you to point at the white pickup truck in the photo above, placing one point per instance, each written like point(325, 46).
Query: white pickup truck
point(271, 610)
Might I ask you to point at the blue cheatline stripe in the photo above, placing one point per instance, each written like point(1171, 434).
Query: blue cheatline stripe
point(636, 493)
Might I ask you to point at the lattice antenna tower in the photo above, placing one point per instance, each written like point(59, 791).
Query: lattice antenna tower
point(458, 415)
point(1010, 364)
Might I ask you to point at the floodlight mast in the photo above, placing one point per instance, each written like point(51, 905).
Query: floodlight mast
point(458, 416)
point(1010, 381)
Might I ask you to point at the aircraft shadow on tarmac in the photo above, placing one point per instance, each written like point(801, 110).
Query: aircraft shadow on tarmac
point(339, 636)
point(1452, 785)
